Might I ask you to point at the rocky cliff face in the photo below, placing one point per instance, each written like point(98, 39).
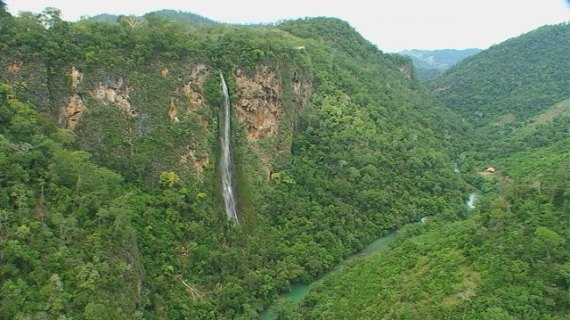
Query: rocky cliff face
point(116, 94)
point(260, 104)
point(193, 92)
point(71, 112)
point(114, 112)
point(259, 107)
point(269, 101)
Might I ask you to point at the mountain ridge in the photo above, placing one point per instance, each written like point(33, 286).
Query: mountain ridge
point(532, 69)
point(441, 59)
point(169, 14)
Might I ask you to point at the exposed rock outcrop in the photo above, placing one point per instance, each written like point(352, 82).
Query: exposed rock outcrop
point(70, 114)
point(258, 106)
point(172, 113)
point(194, 88)
point(164, 71)
point(406, 70)
point(116, 94)
point(15, 67)
point(193, 91)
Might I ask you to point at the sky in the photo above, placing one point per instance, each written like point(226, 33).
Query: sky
point(392, 25)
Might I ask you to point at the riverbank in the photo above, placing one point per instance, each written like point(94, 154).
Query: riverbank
point(299, 291)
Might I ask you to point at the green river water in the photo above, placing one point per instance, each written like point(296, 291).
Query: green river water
point(299, 291)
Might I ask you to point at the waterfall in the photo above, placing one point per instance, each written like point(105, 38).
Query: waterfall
point(471, 202)
point(455, 167)
point(228, 192)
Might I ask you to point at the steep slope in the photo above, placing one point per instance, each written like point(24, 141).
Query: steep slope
point(334, 144)
point(519, 78)
point(335, 33)
point(65, 233)
point(510, 258)
point(514, 93)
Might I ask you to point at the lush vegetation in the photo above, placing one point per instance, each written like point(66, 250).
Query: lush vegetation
point(529, 73)
point(115, 217)
point(65, 234)
point(509, 258)
point(105, 221)
point(173, 15)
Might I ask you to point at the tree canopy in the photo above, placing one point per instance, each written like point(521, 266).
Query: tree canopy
point(109, 185)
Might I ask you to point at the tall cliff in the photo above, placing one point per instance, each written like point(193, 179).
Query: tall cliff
point(334, 144)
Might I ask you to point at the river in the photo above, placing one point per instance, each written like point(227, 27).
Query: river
point(299, 291)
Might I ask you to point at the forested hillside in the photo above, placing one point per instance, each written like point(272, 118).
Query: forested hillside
point(110, 183)
point(509, 260)
point(110, 196)
point(530, 73)
point(510, 257)
point(515, 94)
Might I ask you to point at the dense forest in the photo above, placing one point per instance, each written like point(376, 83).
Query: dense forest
point(508, 261)
point(516, 79)
point(110, 193)
point(110, 201)
point(509, 258)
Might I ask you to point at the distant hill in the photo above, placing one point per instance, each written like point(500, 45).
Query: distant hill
point(168, 14)
point(520, 78)
point(431, 63)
